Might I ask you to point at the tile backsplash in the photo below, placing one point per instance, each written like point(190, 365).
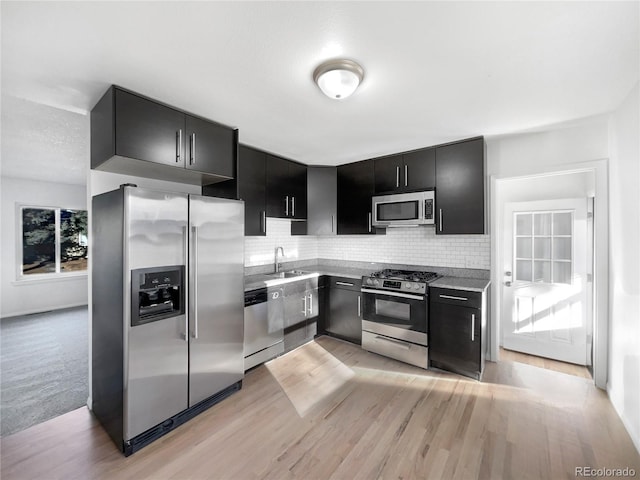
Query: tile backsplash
point(411, 246)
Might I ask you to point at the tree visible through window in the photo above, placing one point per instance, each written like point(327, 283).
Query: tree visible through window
point(54, 240)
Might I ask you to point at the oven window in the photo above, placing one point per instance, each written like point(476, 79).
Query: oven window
point(395, 310)
point(397, 211)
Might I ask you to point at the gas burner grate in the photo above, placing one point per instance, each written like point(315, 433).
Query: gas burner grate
point(412, 275)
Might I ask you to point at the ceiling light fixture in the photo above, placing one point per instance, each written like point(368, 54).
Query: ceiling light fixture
point(338, 78)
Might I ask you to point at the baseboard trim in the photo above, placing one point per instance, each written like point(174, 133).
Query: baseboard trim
point(40, 310)
point(634, 439)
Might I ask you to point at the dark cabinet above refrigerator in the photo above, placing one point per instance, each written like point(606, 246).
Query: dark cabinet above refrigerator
point(134, 135)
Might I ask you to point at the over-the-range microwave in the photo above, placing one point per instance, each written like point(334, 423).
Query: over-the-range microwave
point(403, 209)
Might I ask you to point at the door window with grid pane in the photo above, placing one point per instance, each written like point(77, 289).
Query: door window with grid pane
point(543, 243)
point(54, 241)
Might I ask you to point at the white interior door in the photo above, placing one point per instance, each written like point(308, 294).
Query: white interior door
point(545, 308)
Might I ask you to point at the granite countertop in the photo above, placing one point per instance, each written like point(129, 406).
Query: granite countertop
point(261, 280)
point(461, 283)
point(252, 282)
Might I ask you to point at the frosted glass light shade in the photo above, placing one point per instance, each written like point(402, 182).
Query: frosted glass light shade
point(338, 78)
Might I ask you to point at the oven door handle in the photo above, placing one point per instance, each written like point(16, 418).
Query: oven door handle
point(392, 294)
point(397, 343)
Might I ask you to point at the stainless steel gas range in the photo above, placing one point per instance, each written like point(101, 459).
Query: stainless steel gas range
point(395, 314)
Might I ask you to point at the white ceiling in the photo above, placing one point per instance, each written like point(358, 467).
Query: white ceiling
point(434, 71)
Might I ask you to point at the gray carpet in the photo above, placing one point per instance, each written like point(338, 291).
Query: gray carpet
point(43, 367)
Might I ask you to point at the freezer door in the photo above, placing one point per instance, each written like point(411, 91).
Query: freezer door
point(216, 307)
point(156, 354)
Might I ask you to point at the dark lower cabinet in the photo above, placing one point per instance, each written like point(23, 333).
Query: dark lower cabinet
point(457, 331)
point(344, 312)
point(460, 187)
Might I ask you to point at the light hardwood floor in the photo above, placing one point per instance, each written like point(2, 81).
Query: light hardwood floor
point(549, 364)
point(332, 410)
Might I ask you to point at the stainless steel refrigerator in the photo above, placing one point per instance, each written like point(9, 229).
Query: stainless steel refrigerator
point(167, 309)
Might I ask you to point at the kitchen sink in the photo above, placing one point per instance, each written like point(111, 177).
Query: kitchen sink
point(288, 274)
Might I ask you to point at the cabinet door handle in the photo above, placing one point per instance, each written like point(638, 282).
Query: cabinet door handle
point(406, 175)
point(397, 177)
point(452, 297)
point(311, 304)
point(473, 326)
point(304, 306)
point(286, 206)
point(441, 220)
point(264, 221)
point(178, 145)
point(369, 222)
point(346, 284)
point(359, 307)
point(331, 223)
point(293, 206)
point(192, 149)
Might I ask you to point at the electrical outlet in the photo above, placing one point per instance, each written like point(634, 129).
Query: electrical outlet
point(473, 261)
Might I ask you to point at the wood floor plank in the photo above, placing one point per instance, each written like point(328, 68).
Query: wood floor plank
point(330, 410)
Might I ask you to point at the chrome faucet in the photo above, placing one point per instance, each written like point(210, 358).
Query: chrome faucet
point(276, 263)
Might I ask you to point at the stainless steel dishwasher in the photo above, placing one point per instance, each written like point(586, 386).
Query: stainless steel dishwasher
point(263, 337)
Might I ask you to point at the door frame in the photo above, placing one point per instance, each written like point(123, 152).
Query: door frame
point(600, 170)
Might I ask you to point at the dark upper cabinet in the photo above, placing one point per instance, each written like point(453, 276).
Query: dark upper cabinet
point(387, 174)
point(134, 135)
point(147, 131)
point(209, 147)
point(460, 187)
point(298, 189)
point(249, 185)
point(355, 188)
point(252, 189)
point(408, 172)
point(322, 200)
point(286, 184)
point(419, 170)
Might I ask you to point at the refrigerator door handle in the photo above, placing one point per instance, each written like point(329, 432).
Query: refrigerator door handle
point(186, 292)
point(194, 284)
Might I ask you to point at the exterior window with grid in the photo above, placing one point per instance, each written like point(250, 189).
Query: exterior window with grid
point(53, 241)
point(543, 243)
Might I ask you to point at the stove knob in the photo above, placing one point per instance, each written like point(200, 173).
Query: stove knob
point(376, 282)
point(369, 281)
point(407, 285)
point(416, 286)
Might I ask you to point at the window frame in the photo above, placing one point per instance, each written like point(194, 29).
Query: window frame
point(552, 258)
point(21, 278)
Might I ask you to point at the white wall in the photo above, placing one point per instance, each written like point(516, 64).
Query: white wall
point(28, 296)
point(624, 352)
point(412, 246)
point(578, 147)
